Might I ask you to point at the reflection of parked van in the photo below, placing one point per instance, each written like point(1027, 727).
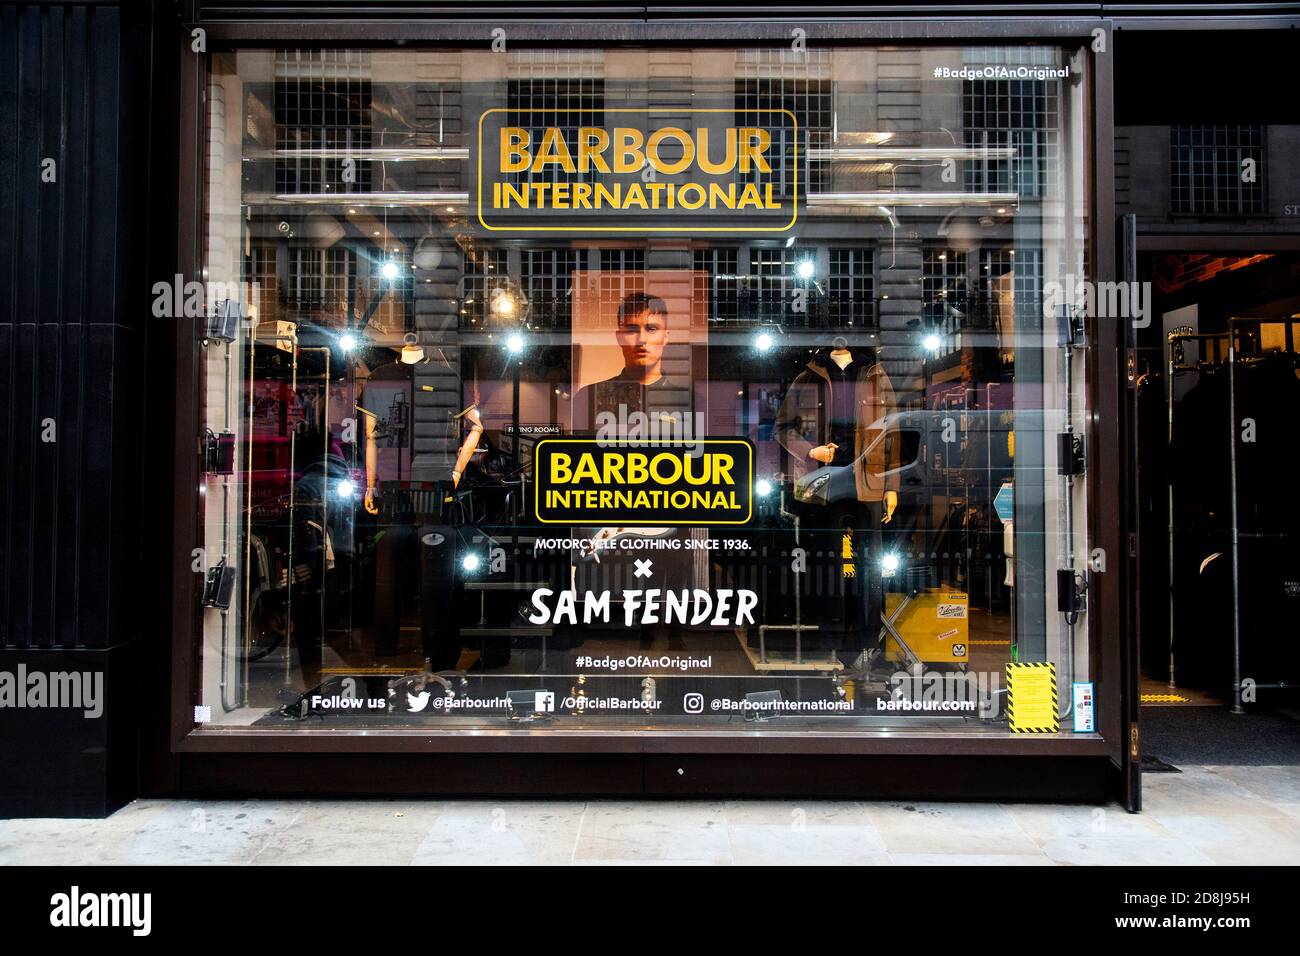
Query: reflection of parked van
point(937, 451)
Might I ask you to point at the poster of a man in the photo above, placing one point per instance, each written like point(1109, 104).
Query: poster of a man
point(639, 360)
point(642, 334)
point(636, 358)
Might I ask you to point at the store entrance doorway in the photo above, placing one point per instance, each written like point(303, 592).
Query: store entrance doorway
point(1217, 382)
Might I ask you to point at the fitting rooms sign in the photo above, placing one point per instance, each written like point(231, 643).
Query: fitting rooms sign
point(707, 170)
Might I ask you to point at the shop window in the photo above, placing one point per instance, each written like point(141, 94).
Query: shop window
point(851, 287)
point(800, 83)
point(318, 281)
point(717, 286)
point(484, 271)
point(944, 286)
point(322, 103)
point(547, 277)
point(573, 99)
point(260, 266)
point(1216, 170)
point(384, 552)
point(1022, 115)
point(621, 274)
point(780, 286)
point(997, 268)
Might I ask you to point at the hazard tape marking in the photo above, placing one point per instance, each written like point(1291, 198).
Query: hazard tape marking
point(1052, 724)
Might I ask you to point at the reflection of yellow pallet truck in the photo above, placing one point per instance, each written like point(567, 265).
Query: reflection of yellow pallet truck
point(936, 623)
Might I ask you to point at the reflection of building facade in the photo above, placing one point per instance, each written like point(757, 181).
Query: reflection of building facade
point(896, 270)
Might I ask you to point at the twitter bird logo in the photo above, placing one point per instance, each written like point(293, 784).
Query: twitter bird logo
point(417, 704)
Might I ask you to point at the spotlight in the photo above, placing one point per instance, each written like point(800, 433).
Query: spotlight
point(889, 563)
point(470, 562)
point(389, 270)
point(507, 302)
point(806, 268)
point(514, 343)
point(347, 342)
point(764, 341)
point(931, 342)
point(346, 488)
point(762, 487)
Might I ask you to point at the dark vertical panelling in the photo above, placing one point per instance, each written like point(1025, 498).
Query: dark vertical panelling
point(75, 262)
point(72, 460)
point(55, 330)
point(70, 90)
point(8, 294)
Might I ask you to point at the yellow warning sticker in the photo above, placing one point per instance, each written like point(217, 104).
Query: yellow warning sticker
point(1164, 699)
point(1031, 698)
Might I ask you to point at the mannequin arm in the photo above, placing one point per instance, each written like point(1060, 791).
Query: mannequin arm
point(469, 446)
point(372, 460)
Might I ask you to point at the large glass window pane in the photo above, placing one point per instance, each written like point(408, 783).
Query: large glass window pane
point(882, 380)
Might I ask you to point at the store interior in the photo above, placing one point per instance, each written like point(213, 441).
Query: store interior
point(374, 403)
point(1218, 384)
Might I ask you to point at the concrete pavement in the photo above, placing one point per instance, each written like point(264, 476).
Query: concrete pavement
point(1206, 815)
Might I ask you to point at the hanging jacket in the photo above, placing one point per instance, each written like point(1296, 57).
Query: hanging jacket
point(808, 409)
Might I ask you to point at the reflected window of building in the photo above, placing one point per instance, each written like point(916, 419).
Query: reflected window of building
point(1216, 170)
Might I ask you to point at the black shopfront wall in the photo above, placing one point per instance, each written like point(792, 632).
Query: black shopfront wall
point(79, 193)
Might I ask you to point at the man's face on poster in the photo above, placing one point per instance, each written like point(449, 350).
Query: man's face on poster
point(642, 337)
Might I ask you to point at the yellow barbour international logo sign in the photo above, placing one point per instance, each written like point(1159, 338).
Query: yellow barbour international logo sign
point(584, 481)
point(720, 170)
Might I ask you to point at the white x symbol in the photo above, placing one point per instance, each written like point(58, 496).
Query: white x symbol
point(643, 569)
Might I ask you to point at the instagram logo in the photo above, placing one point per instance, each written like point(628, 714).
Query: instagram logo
point(693, 703)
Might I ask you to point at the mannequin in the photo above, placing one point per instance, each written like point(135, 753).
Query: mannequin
point(833, 422)
point(845, 397)
point(416, 555)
